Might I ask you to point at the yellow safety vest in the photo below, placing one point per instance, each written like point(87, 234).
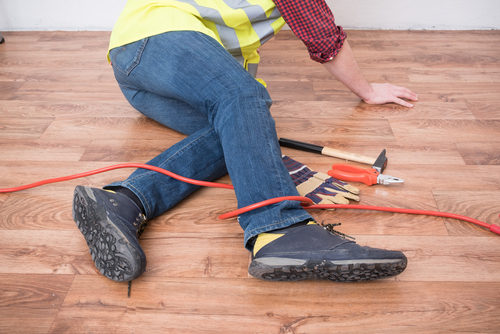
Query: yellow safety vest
point(241, 26)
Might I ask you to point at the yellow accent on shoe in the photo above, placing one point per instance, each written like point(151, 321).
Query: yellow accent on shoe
point(263, 239)
point(266, 238)
point(110, 191)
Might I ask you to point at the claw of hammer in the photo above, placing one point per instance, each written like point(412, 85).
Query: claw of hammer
point(381, 162)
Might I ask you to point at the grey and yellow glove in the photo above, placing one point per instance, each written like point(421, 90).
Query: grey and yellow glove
point(319, 187)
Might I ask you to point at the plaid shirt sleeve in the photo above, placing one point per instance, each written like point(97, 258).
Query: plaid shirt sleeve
point(312, 21)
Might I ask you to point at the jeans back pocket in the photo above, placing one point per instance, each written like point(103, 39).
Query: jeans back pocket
point(125, 58)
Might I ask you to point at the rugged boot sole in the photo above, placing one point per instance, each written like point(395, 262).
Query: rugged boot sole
point(282, 269)
point(113, 254)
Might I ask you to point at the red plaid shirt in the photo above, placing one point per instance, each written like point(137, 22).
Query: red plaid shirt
point(312, 21)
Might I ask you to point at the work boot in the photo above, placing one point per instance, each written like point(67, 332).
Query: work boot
point(111, 224)
point(309, 251)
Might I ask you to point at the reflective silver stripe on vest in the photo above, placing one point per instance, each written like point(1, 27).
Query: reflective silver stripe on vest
point(252, 69)
point(256, 15)
point(227, 35)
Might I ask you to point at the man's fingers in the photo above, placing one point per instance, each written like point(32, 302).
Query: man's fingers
point(402, 102)
point(406, 93)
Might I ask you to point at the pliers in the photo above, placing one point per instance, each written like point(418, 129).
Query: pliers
point(367, 176)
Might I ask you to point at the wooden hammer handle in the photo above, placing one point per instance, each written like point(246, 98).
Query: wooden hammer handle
point(298, 145)
point(347, 156)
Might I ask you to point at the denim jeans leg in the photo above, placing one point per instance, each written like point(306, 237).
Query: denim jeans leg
point(195, 69)
point(199, 156)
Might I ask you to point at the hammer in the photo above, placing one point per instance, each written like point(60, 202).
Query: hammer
point(379, 163)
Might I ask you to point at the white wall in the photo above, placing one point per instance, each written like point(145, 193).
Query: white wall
point(352, 14)
point(415, 14)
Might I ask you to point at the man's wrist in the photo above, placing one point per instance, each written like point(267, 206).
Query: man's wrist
point(366, 93)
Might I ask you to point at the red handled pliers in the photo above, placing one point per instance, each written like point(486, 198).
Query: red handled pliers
point(357, 174)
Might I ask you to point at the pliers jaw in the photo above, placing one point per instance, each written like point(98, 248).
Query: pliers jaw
point(379, 165)
point(387, 179)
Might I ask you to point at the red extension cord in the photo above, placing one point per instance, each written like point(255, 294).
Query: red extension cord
point(306, 202)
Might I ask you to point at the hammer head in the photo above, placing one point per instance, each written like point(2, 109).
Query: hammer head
point(381, 162)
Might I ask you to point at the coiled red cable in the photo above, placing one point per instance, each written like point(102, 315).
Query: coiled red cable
point(305, 202)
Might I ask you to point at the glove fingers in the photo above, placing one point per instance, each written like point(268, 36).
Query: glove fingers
point(336, 183)
point(344, 187)
point(348, 195)
point(317, 187)
point(341, 192)
point(333, 196)
point(350, 189)
point(337, 199)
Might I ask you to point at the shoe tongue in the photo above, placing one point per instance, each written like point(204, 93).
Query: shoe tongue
point(291, 228)
point(305, 222)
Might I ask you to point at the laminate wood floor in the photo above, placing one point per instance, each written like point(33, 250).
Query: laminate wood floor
point(61, 113)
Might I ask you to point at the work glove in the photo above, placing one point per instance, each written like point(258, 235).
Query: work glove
point(319, 187)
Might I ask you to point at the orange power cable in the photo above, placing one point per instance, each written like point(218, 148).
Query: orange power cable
point(305, 202)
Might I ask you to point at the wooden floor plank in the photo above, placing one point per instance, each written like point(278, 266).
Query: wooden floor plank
point(420, 44)
point(289, 90)
point(344, 130)
point(50, 210)
point(18, 43)
point(484, 110)
point(45, 252)
point(67, 109)
point(249, 306)
point(356, 109)
point(68, 91)
point(3, 197)
point(54, 59)
point(7, 90)
point(30, 74)
point(480, 92)
point(195, 254)
point(446, 130)
point(126, 150)
point(447, 177)
point(85, 36)
point(479, 204)
point(475, 153)
point(431, 36)
point(108, 127)
point(30, 303)
point(38, 150)
point(200, 212)
point(26, 37)
point(24, 128)
point(454, 75)
point(441, 58)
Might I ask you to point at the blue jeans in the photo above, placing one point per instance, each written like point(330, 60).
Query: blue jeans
point(188, 82)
